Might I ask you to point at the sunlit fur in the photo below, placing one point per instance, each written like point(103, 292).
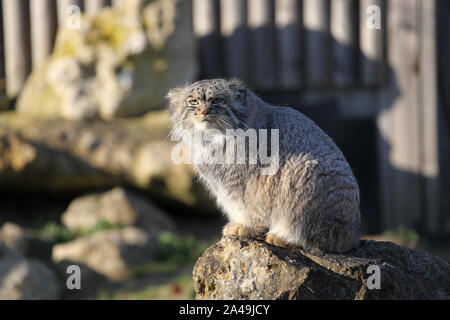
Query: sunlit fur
point(311, 202)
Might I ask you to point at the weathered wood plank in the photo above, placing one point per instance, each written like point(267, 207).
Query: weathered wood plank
point(316, 28)
point(116, 3)
point(4, 103)
point(233, 30)
point(2, 61)
point(94, 6)
point(429, 115)
point(372, 41)
point(288, 25)
point(43, 29)
point(206, 28)
point(385, 170)
point(343, 32)
point(443, 53)
point(399, 116)
point(17, 44)
point(262, 59)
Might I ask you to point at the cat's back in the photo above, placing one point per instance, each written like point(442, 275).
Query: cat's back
point(308, 156)
point(299, 134)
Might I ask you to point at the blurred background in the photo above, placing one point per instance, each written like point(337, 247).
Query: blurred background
point(86, 177)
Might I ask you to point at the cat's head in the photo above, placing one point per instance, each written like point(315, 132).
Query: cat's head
point(209, 104)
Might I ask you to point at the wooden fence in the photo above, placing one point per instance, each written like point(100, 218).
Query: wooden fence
point(290, 44)
point(272, 44)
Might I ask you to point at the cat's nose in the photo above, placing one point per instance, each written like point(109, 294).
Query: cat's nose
point(203, 111)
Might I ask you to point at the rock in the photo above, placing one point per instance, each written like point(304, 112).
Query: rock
point(117, 207)
point(91, 282)
point(120, 62)
point(63, 156)
point(83, 214)
point(29, 165)
point(25, 279)
point(13, 237)
point(111, 253)
point(239, 268)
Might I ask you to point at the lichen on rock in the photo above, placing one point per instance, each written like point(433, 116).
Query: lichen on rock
point(120, 62)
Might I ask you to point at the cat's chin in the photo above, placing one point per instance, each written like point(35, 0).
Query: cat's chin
point(207, 125)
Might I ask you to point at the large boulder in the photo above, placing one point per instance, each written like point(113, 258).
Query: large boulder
point(116, 207)
point(111, 253)
point(119, 62)
point(240, 268)
point(64, 156)
point(27, 164)
point(25, 279)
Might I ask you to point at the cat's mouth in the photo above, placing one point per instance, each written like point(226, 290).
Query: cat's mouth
point(209, 122)
point(203, 119)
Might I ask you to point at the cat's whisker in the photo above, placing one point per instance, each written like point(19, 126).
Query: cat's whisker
point(226, 124)
point(176, 126)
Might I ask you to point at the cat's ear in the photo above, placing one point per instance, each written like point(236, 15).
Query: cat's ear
point(238, 89)
point(173, 96)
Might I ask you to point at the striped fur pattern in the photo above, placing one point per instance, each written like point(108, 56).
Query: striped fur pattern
point(311, 202)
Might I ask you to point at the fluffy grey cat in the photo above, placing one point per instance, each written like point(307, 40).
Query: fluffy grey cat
point(311, 201)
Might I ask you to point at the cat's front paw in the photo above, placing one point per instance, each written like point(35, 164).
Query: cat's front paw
point(237, 229)
point(276, 241)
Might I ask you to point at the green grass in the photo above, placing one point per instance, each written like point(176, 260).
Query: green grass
point(56, 232)
point(101, 226)
point(175, 252)
point(180, 288)
point(403, 235)
point(180, 249)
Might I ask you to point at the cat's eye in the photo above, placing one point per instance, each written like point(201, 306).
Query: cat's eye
point(217, 100)
point(193, 102)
